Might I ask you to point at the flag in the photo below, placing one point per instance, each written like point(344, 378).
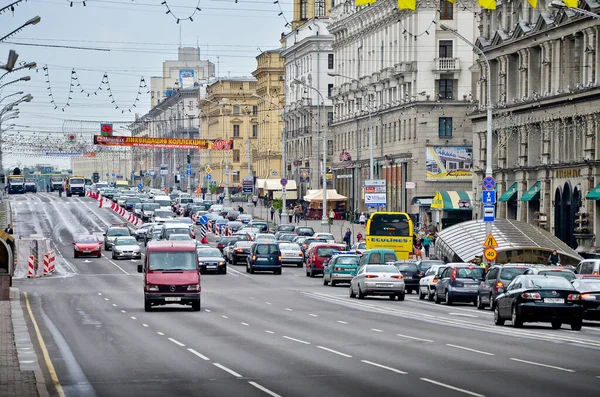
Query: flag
point(532, 3)
point(488, 4)
point(364, 2)
point(572, 3)
point(407, 4)
point(451, 1)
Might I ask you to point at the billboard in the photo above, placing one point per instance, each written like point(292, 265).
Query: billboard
point(449, 163)
point(167, 143)
point(375, 192)
point(304, 175)
point(186, 78)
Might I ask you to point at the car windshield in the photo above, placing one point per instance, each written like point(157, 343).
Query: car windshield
point(170, 231)
point(347, 260)
point(133, 200)
point(163, 214)
point(566, 274)
point(362, 246)
point(187, 221)
point(266, 249)
point(587, 285)
point(407, 267)
point(286, 228)
point(269, 237)
point(326, 236)
point(172, 260)
point(382, 269)
point(233, 213)
point(209, 253)
point(305, 230)
point(162, 203)
point(118, 232)
point(326, 252)
point(548, 282)
point(389, 257)
point(289, 247)
point(179, 237)
point(186, 200)
point(126, 241)
point(86, 240)
point(474, 272)
point(425, 265)
point(509, 273)
point(150, 206)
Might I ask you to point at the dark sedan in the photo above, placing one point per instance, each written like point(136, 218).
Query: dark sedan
point(411, 273)
point(532, 298)
point(240, 252)
point(590, 296)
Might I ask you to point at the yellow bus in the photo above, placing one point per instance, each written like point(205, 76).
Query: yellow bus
point(392, 230)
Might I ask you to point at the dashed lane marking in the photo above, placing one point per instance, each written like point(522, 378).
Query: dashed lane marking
point(133, 318)
point(342, 322)
point(376, 330)
point(470, 350)
point(269, 332)
point(313, 315)
point(160, 333)
point(264, 389)
point(202, 356)
point(296, 340)
point(224, 368)
point(144, 325)
point(114, 304)
point(208, 310)
point(224, 316)
point(384, 367)
point(452, 387)
point(288, 309)
point(244, 324)
point(123, 311)
point(414, 338)
point(176, 342)
point(334, 351)
point(541, 365)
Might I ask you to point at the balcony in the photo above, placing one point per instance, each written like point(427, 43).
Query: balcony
point(386, 74)
point(446, 64)
point(405, 67)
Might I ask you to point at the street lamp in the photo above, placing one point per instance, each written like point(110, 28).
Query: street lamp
point(30, 65)
point(488, 144)
point(8, 96)
point(24, 78)
point(559, 5)
point(33, 21)
point(324, 220)
point(283, 152)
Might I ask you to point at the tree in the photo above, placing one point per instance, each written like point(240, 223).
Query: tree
point(213, 189)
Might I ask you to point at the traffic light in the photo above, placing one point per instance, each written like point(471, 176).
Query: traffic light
point(581, 223)
point(95, 177)
point(189, 159)
point(141, 173)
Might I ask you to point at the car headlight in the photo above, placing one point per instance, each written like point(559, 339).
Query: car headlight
point(222, 263)
point(193, 287)
point(151, 287)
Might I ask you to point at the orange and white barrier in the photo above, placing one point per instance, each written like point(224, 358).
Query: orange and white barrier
point(51, 260)
point(210, 226)
point(217, 230)
point(31, 268)
point(46, 264)
point(229, 231)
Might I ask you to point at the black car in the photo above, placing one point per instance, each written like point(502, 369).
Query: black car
point(459, 283)
point(280, 233)
point(235, 225)
point(411, 274)
point(232, 215)
point(264, 257)
point(285, 228)
point(498, 276)
point(211, 260)
point(589, 287)
point(533, 298)
point(130, 202)
point(558, 271)
point(240, 252)
point(224, 241)
point(261, 225)
point(425, 264)
point(304, 231)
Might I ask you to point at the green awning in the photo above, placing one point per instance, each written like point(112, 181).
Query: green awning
point(449, 200)
point(533, 192)
point(507, 195)
point(594, 194)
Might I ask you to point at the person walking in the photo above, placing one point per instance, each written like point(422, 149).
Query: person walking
point(554, 258)
point(255, 200)
point(297, 214)
point(291, 214)
point(362, 218)
point(427, 245)
point(331, 216)
point(418, 248)
point(272, 209)
point(348, 237)
point(9, 229)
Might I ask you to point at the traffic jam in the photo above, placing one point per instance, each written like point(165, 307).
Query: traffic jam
point(181, 238)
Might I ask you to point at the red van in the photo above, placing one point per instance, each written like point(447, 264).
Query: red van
point(317, 255)
point(171, 274)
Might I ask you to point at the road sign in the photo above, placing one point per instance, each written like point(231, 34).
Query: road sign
point(140, 186)
point(375, 192)
point(490, 241)
point(489, 213)
point(181, 176)
point(208, 176)
point(188, 171)
point(48, 170)
point(488, 197)
point(208, 170)
point(113, 174)
point(490, 254)
point(489, 183)
point(248, 185)
point(152, 172)
point(283, 182)
point(203, 220)
point(213, 182)
point(188, 166)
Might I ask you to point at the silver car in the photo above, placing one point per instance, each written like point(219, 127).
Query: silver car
point(126, 247)
point(378, 280)
point(291, 254)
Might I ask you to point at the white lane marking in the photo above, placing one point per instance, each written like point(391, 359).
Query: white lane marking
point(106, 299)
point(414, 338)
point(313, 315)
point(208, 310)
point(341, 322)
point(245, 324)
point(452, 387)
point(262, 388)
point(100, 293)
point(296, 340)
point(202, 356)
point(144, 325)
point(160, 333)
point(114, 304)
point(384, 367)
point(463, 315)
point(376, 330)
point(268, 303)
point(123, 311)
point(224, 316)
point(334, 351)
point(224, 368)
point(133, 318)
point(113, 263)
point(237, 273)
point(288, 309)
point(269, 332)
point(176, 342)
point(542, 365)
point(471, 350)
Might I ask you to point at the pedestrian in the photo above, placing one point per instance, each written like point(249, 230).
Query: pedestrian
point(9, 229)
point(297, 214)
point(241, 209)
point(554, 258)
point(47, 188)
point(272, 209)
point(348, 237)
point(255, 200)
point(359, 237)
point(362, 218)
point(418, 247)
point(427, 245)
point(331, 214)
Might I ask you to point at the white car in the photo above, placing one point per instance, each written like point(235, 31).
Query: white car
point(126, 247)
point(266, 237)
point(216, 208)
point(291, 254)
point(162, 216)
point(325, 236)
point(378, 280)
point(429, 280)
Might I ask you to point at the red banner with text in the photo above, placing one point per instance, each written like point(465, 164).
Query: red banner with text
point(166, 143)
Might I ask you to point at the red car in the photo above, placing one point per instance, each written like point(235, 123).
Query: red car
point(318, 254)
point(87, 245)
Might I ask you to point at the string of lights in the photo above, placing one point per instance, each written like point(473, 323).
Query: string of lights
point(10, 7)
point(178, 18)
point(281, 14)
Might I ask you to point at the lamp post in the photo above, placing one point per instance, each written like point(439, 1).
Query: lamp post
point(324, 220)
point(8, 96)
point(488, 140)
point(30, 65)
point(24, 78)
point(559, 5)
point(222, 104)
point(283, 153)
point(33, 21)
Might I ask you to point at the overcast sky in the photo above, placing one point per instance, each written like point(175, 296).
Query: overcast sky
point(127, 39)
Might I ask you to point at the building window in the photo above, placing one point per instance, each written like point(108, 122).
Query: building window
point(236, 110)
point(332, 3)
point(445, 47)
point(445, 88)
point(330, 61)
point(236, 155)
point(236, 177)
point(255, 110)
point(445, 127)
point(303, 10)
point(446, 10)
point(236, 130)
point(329, 117)
point(319, 8)
point(329, 89)
point(254, 130)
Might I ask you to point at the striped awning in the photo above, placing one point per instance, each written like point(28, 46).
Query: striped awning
point(451, 200)
point(507, 195)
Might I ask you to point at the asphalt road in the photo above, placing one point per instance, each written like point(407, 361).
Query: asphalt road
point(267, 335)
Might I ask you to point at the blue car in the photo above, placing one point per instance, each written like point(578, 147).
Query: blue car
point(459, 283)
point(264, 257)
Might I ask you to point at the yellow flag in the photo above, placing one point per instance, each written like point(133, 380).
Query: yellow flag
point(488, 4)
point(364, 2)
point(407, 4)
point(572, 3)
point(451, 1)
point(532, 3)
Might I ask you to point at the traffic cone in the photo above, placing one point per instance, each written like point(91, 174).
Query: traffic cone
point(31, 270)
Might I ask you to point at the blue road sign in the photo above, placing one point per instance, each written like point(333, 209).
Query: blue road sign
point(489, 183)
point(203, 220)
point(107, 174)
point(488, 197)
point(209, 177)
point(113, 174)
point(188, 171)
point(213, 182)
point(182, 176)
point(283, 181)
point(489, 213)
point(48, 170)
point(188, 166)
point(140, 186)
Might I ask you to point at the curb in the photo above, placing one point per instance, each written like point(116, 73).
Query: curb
point(28, 360)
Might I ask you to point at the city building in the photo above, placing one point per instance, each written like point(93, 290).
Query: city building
point(111, 163)
point(266, 147)
point(401, 95)
point(546, 98)
point(184, 72)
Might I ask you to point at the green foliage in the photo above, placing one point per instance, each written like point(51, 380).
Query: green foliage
point(213, 189)
point(278, 205)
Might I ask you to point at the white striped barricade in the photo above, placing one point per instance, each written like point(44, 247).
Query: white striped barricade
point(229, 231)
point(46, 264)
point(217, 230)
point(51, 261)
point(210, 226)
point(31, 267)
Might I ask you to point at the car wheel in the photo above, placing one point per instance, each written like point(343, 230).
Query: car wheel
point(196, 305)
point(325, 282)
point(478, 303)
point(576, 325)
point(517, 321)
point(497, 319)
point(99, 255)
point(447, 299)
point(392, 297)
point(437, 299)
point(113, 255)
point(360, 293)
point(429, 295)
point(224, 270)
point(333, 283)
point(247, 268)
point(147, 305)
point(251, 269)
point(556, 324)
point(421, 294)
point(352, 294)
point(74, 254)
point(401, 296)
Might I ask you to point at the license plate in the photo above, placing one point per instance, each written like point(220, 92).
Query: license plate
point(383, 285)
point(212, 267)
point(290, 254)
point(470, 285)
point(172, 299)
point(261, 259)
point(86, 251)
point(408, 277)
point(554, 300)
